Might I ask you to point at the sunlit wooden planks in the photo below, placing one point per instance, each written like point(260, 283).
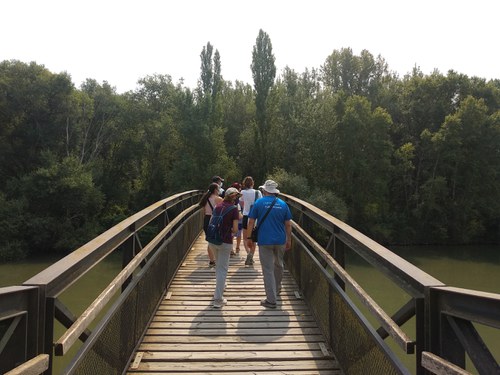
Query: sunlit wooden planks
point(188, 336)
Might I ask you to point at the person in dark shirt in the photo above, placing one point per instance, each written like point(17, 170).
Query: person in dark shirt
point(222, 252)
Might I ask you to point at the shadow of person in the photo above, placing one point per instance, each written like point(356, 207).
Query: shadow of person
point(199, 272)
point(263, 327)
point(243, 274)
point(207, 324)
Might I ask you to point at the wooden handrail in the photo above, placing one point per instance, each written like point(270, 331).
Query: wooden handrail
point(82, 323)
point(413, 279)
point(62, 274)
point(400, 337)
point(440, 366)
point(34, 366)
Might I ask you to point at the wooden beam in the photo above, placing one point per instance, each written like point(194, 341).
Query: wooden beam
point(34, 366)
point(62, 345)
point(440, 366)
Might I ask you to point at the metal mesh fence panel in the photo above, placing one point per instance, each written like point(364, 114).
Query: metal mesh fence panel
point(114, 341)
point(355, 344)
point(315, 290)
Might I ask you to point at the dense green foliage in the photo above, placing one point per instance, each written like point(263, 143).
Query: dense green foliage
point(405, 160)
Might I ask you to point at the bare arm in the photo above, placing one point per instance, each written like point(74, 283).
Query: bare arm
point(250, 224)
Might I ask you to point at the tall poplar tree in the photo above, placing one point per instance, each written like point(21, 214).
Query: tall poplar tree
point(217, 75)
point(216, 111)
point(210, 85)
point(207, 75)
point(205, 85)
point(263, 72)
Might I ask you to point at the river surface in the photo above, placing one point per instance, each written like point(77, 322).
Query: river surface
point(77, 298)
point(471, 267)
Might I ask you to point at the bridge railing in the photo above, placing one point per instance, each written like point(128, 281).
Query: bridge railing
point(18, 317)
point(321, 244)
point(455, 317)
point(444, 318)
point(124, 307)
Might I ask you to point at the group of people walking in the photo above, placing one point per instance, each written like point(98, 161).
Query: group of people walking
point(245, 208)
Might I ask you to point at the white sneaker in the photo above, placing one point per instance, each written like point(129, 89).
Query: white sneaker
point(218, 305)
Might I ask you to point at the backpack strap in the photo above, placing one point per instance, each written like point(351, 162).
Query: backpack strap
point(227, 210)
point(254, 199)
point(259, 223)
point(210, 204)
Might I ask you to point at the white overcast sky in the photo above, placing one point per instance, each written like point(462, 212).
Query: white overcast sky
point(120, 41)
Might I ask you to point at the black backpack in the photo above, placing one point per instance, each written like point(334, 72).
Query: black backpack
point(214, 233)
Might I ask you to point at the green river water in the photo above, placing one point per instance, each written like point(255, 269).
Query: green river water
point(471, 267)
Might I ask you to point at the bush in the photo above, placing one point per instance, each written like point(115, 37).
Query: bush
point(290, 183)
point(13, 250)
point(329, 202)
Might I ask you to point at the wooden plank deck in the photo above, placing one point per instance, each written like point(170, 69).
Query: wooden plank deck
point(188, 336)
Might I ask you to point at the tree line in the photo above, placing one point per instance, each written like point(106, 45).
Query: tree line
point(406, 160)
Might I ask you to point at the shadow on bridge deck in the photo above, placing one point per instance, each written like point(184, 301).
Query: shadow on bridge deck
point(188, 336)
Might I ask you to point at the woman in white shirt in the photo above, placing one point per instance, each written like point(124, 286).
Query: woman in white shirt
point(248, 197)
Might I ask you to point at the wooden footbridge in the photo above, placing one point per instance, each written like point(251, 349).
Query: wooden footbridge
point(155, 317)
point(188, 336)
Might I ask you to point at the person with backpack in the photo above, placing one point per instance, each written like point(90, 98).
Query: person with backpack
point(221, 228)
point(248, 197)
point(274, 235)
point(208, 201)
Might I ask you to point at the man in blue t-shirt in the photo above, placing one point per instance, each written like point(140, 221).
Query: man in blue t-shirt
point(275, 236)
